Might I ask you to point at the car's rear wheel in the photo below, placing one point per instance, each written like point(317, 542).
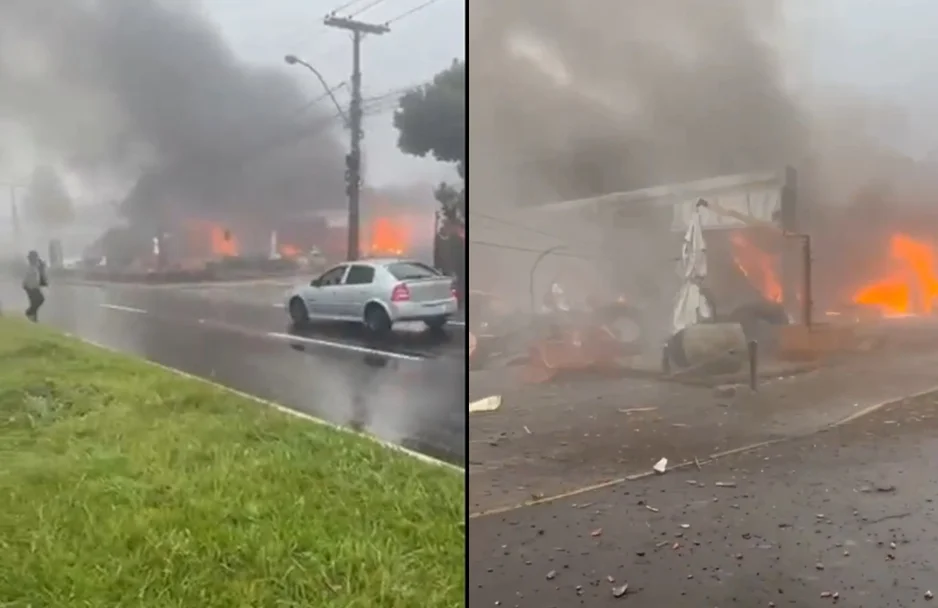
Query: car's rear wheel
point(436, 323)
point(377, 320)
point(298, 313)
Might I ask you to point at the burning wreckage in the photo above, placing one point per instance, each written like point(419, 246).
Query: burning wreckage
point(744, 283)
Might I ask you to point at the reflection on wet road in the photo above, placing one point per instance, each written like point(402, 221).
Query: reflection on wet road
point(409, 389)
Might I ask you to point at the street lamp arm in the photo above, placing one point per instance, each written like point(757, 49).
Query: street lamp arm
point(294, 60)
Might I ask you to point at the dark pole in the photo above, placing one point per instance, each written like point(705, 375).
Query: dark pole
point(353, 160)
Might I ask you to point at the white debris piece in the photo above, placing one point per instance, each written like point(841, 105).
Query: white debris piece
point(661, 466)
point(488, 404)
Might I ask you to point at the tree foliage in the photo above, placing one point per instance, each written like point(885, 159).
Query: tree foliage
point(431, 121)
point(47, 200)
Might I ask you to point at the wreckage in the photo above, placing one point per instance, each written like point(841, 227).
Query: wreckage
point(722, 302)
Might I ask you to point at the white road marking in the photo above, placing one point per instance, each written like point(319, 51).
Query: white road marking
point(282, 306)
point(290, 337)
point(138, 311)
point(342, 346)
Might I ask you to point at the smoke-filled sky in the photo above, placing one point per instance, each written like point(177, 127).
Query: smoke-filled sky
point(569, 102)
point(109, 88)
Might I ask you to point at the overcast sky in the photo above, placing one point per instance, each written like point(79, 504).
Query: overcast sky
point(418, 46)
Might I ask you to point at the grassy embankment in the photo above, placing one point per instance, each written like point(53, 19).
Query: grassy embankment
point(122, 484)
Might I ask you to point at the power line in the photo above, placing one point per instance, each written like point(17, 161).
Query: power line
point(565, 254)
point(416, 9)
point(514, 225)
point(370, 5)
point(343, 7)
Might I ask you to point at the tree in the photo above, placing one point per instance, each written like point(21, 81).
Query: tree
point(431, 120)
point(47, 200)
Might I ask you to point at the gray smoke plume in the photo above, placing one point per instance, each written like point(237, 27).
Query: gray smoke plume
point(122, 89)
point(572, 100)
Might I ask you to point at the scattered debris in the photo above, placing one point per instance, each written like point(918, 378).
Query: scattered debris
point(697, 464)
point(488, 404)
point(676, 546)
point(826, 594)
point(685, 526)
point(881, 488)
point(635, 410)
point(892, 545)
point(929, 595)
point(596, 532)
point(527, 430)
point(692, 482)
point(725, 484)
point(620, 591)
point(819, 566)
point(551, 575)
point(725, 391)
point(661, 466)
point(651, 508)
point(611, 579)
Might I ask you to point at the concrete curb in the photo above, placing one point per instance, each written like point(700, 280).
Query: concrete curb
point(706, 460)
point(385, 444)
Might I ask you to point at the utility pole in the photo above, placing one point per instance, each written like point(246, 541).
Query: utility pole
point(353, 163)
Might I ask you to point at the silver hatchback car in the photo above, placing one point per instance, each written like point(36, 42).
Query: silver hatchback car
point(376, 292)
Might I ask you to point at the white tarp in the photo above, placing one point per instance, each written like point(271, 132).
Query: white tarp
point(691, 307)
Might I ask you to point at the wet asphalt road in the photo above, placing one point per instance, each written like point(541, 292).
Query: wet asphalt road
point(846, 517)
point(409, 389)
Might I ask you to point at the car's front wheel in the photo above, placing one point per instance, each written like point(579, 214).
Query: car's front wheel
point(298, 313)
point(377, 320)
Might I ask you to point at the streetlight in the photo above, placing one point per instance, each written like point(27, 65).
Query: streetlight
point(294, 60)
point(14, 212)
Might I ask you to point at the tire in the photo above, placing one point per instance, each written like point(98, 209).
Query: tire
point(377, 320)
point(436, 323)
point(298, 313)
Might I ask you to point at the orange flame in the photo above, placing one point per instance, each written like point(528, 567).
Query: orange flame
point(911, 287)
point(757, 266)
point(223, 242)
point(388, 237)
point(288, 251)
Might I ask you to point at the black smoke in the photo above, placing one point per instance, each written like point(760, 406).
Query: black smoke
point(148, 90)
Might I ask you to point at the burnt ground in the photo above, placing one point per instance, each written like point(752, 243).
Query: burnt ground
point(843, 517)
point(552, 439)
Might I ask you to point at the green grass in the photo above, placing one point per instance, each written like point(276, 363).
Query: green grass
point(125, 485)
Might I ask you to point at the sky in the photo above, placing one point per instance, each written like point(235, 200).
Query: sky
point(885, 48)
point(418, 46)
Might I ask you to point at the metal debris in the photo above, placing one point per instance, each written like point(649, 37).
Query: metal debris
point(826, 594)
point(819, 566)
point(620, 591)
point(661, 466)
point(929, 595)
point(551, 575)
point(725, 484)
point(685, 526)
point(596, 532)
point(651, 508)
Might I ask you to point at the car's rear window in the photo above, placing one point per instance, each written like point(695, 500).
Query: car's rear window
point(403, 271)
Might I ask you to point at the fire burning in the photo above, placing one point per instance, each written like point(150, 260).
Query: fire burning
point(289, 251)
point(912, 284)
point(759, 267)
point(223, 242)
point(387, 237)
